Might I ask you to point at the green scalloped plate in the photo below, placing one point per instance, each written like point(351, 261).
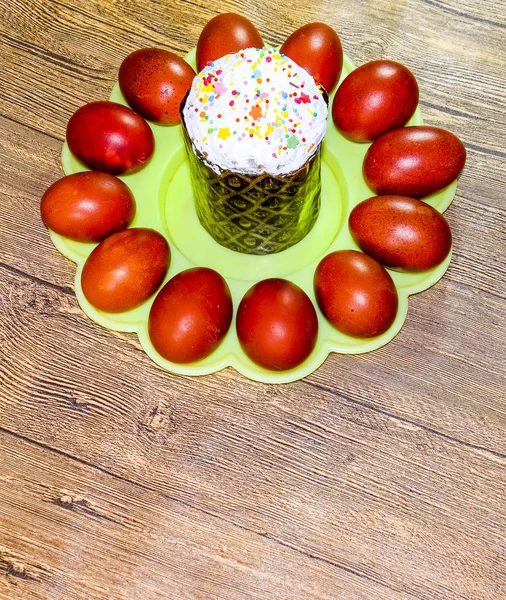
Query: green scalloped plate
point(165, 202)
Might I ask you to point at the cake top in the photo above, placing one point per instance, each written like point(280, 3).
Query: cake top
point(255, 112)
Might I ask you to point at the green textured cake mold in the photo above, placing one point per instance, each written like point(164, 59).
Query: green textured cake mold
point(255, 214)
point(165, 202)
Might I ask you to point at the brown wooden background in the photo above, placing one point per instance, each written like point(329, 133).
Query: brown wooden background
point(379, 477)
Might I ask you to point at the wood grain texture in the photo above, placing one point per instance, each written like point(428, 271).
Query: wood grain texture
point(380, 476)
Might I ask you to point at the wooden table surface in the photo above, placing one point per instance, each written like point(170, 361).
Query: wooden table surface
point(378, 477)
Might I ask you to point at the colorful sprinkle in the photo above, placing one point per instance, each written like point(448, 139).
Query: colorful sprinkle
point(223, 133)
point(266, 113)
point(256, 112)
point(293, 142)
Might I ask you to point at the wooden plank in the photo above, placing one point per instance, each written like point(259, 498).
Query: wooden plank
point(129, 526)
point(318, 472)
point(69, 531)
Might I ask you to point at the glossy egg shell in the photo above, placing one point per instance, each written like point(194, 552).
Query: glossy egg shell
point(154, 82)
point(413, 161)
point(125, 269)
point(190, 315)
point(401, 233)
point(373, 99)
point(110, 137)
point(277, 325)
point(355, 293)
point(316, 47)
point(225, 34)
point(87, 206)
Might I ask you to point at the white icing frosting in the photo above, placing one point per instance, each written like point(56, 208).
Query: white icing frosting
point(255, 112)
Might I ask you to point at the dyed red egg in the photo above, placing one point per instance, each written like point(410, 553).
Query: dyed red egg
point(277, 324)
point(125, 269)
point(401, 233)
point(107, 136)
point(87, 206)
point(154, 82)
point(373, 99)
point(226, 34)
point(190, 315)
point(355, 293)
point(316, 47)
point(413, 161)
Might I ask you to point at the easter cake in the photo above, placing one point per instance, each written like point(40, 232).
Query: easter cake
point(253, 124)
